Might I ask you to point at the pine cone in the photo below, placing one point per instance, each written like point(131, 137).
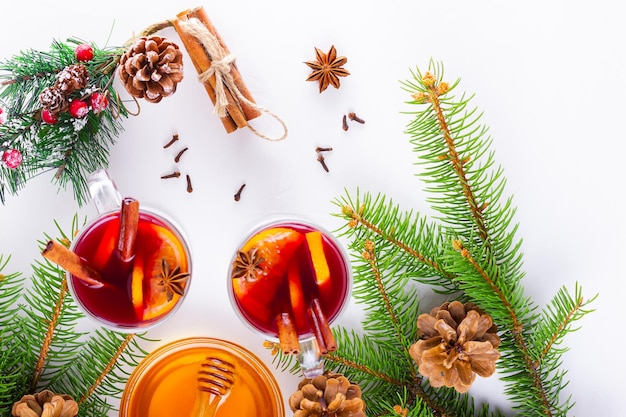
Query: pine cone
point(151, 68)
point(71, 78)
point(457, 343)
point(45, 404)
point(53, 100)
point(327, 395)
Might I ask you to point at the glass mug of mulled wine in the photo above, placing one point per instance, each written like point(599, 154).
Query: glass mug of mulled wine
point(289, 280)
point(140, 257)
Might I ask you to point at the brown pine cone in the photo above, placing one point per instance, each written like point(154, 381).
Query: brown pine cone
point(327, 395)
point(53, 100)
point(457, 342)
point(45, 404)
point(71, 78)
point(151, 68)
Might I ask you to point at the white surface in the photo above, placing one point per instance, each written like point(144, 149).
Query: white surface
point(550, 77)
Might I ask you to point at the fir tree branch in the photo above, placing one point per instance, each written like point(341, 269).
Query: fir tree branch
point(47, 340)
point(356, 217)
point(108, 368)
point(419, 241)
point(369, 254)
point(474, 251)
point(360, 367)
point(557, 321)
point(515, 328)
point(414, 387)
point(434, 90)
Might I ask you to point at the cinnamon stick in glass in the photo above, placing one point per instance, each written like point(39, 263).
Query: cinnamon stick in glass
point(317, 332)
point(325, 330)
point(287, 335)
point(62, 256)
point(129, 223)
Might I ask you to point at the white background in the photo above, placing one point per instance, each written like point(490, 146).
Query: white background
point(549, 77)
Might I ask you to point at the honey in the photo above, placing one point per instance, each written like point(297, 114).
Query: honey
point(165, 383)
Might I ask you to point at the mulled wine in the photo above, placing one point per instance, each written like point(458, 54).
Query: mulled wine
point(138, 291)
point(289, 272)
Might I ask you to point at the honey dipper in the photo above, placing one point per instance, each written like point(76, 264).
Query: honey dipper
point(215, 379)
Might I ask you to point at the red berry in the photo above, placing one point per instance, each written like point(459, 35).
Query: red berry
point(48, 117)
point(12, 158)
point(84, 52)
point(78, 109)
point(99, 102)
point(3, 116)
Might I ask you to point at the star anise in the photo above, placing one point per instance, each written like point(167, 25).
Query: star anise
point(172, 280)
point(327, 68)
point(246, 265)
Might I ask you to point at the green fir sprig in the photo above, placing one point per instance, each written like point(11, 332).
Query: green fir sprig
point(41, 347)
point(71, 147)
point(467, 251)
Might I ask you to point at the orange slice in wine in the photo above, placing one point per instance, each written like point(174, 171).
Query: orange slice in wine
point(315, 243)
point(169, 248)
point(276, 247)
point(136, 286)
point(106, 246)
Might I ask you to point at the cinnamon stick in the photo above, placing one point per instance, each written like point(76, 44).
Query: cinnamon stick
point(129, 223)
point(72, 263)
point(325, 331)
point(202, 62)
point(317, 332)
point(287, 335)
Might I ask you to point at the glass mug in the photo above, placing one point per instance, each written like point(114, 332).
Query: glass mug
point(289, 280)
point(140, 292)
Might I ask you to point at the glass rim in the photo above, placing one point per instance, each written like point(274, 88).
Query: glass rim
point(177, 229)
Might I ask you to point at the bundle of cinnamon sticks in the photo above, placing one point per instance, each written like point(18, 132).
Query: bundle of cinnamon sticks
point(238, 111)
point(64, 257)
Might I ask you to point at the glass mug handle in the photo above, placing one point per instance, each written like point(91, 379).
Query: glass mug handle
point(310, 358)
point(103, 191)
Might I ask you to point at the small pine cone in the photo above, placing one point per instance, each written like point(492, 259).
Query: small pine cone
point(327, 395)
point(71, 78)
point(151, 68)
point(45, 404)
point(53, 100)
point(457, 342)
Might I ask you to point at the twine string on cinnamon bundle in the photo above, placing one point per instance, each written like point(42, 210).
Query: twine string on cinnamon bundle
point(219, 73)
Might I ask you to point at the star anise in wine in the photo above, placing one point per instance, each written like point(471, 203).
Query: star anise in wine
point(247, 265)
point(172, 280)
point(327, 68)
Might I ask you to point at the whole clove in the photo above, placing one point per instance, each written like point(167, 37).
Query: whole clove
point(353, 116)
point(320, 149)
point(189, 187)
point(177, 157)
point(238, 193)
point(344, 123)
point(171, 142)
point(320, 158)
point(174, 174)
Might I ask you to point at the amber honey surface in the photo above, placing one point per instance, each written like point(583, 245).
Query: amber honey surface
point(165, 382)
